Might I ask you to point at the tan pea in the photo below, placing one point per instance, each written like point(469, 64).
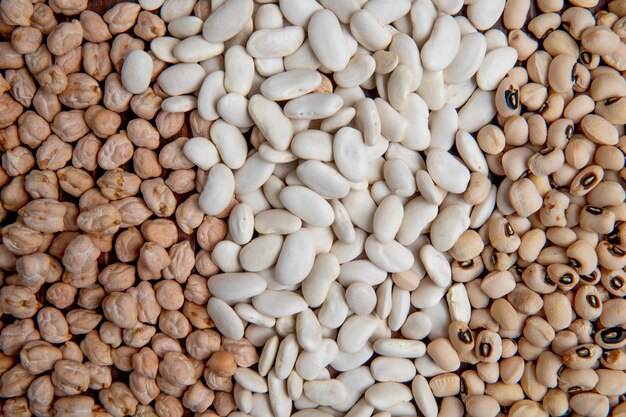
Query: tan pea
point(26, 39)
point(146, 163)
point(118, 184)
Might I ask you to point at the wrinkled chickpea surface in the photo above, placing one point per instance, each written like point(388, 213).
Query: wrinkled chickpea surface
point(105, 253)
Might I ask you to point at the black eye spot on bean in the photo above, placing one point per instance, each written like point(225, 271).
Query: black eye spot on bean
point(511, 98)
point(465, 336)
point(593, 301)
point(485, 349)
point(566, 279)
point(594, 210)
point(616, 283)
point(583, 352)
point(613, 335)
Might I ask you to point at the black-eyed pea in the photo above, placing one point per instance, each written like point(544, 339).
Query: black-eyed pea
point(477, 189)
point(531, 244)
point(546, 162)
point(527, 408)
point(610, 256)
point(609, 157)
point(502, 236)
point(577, 380)
point(564, 276)
point(445, 385)
point(509, 348)
point(582, 256)
point(488, 372)
point(491, 139)
point(600, 40)
point(580, 106)
point(549, 366)
point(538, 331)
point(443, 354)
point(512, 369)
point(494, 163)
point(468, 246)
point(515, 14)
point(561, 73)
point(537, 130)
point(613, 110)
point(560, 42)
point(614, 359)
point(468, 270)
point(586, 180)
point(611, 338)
point(607, 86)
point(582, 78)
point(524, 44)
point(614, 281)
point(561, 236)
point(525, 300)
point(488, 346)
point(516, 131)
point(590, 404)
point(584, 356)
point(544, 24)
point(576, 19)
point(482, 406)
point(563, 340)
point(583, 330)
point(519, 75)
point(507, 98)
point(498, 284)
point(504, 314)
point(588, 302)
point(564, 175)
point(558, 310)
point(559, 133)
point(530, 384)
point(606, 18)
point(537, 66)
point(549, 6)
point(529, 351)
point(556, 402)
point(525, 199)
point(481, 319)
point(471, 384)
point(461, 337)
point(598, 220)
point(533, 96)
point(607, 193)
point(505, 394)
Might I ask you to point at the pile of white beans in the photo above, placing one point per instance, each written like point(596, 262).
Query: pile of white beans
point(344, 211)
